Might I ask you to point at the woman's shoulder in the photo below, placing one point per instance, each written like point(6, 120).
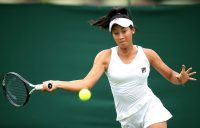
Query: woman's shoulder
point(104, 55)
point(150, 53)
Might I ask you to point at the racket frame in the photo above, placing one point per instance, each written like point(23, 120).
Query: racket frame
point(26, 84)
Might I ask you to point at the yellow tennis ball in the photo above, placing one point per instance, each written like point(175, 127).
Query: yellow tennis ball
point(84, 94)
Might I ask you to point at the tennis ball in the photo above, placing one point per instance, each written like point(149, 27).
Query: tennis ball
point(84, 94)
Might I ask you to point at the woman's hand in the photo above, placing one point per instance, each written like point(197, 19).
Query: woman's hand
point(53, 83)
point(185, 75)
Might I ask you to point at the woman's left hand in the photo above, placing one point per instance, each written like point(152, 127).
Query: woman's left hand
point(185, 75)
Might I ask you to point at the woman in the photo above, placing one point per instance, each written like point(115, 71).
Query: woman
point(127, 67)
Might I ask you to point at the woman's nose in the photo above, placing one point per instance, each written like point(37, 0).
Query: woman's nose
point(121, 36)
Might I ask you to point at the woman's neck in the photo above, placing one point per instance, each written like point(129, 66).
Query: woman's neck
point(127, 51)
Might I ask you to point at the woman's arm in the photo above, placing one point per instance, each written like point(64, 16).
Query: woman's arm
point(176, 78)
point(99, 66)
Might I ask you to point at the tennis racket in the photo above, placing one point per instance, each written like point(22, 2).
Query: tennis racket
point(18, 90)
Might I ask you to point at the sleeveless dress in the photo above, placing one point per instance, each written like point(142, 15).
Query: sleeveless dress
point(129, 84)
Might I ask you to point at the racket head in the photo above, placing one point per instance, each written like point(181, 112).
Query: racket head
point(15, 88)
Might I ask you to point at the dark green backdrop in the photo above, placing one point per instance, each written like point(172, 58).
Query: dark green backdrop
point(43, 42)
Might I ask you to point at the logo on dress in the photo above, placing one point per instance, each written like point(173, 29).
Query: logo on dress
point(143, 69)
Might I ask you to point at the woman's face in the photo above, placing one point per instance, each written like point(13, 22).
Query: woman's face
point(122, 35)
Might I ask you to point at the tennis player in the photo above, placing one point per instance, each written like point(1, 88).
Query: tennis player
point(127, 67)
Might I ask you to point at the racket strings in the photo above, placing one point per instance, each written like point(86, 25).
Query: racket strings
point(16, 90)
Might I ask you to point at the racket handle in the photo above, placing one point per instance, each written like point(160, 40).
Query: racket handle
point(50, 85)
point(39, 87)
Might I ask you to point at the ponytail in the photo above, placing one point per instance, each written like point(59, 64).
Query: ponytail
point(103, 22)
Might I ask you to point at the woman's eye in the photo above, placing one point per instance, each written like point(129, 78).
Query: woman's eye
point(124, 31)
point(116, 33)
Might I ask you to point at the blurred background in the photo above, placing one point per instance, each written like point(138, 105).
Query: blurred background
point(105, 2)
point(52, 40)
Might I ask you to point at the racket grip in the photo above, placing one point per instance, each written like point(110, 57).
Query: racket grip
point(39, 87)
point(50, 85)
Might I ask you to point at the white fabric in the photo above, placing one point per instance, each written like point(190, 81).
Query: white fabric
point(129, 83)
point(151, 113)
point(124, 22)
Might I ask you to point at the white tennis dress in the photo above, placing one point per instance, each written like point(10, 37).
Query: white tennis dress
point(132, 96)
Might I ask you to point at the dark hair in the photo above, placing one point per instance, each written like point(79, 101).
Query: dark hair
point(103, 22)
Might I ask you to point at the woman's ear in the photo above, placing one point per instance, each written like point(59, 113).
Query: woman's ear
point(133, 30)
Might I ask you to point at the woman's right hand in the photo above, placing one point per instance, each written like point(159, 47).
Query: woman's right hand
point(53, 83)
